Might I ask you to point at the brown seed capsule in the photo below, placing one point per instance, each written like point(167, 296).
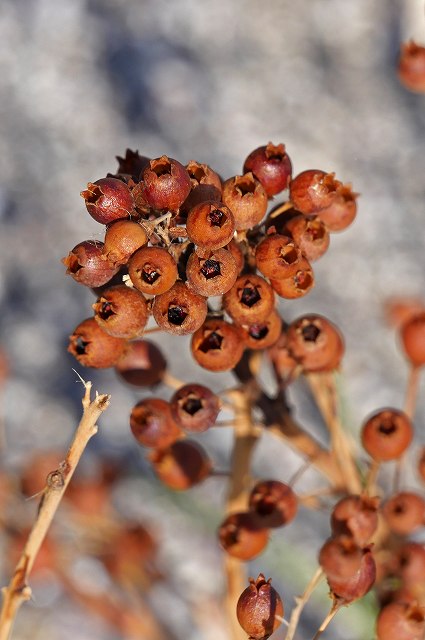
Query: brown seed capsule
point(274, 503)
point(166, 184)
point(206, 185)
point(152, 270)
point(210, 225)
point(179, 310)
point(272, 166)
point(181, 465)
point(93, 347)
point(122, 312)
point(242, 537)
point(142, 365)
point(413, 339)
point(130, 554)
point(247, 200)
point(355, 516)
point(277, 256)
point(132, 164)
point(87, 264)
point(404, 512)
point(342, 211)
point(195, 407)
point(261, 335)
point(122, 239)
point(400, 309)
point(152, 424)
point(411, 66)
point(310, 234)
point(387, 434)
point(315, 343)
point(313, 190)
point(250, 300)
point(401, 621)
point(297, 285)
point(411, 564)
point(108, 199)
point(259, 609)
point(213, 274)
point(217, 345)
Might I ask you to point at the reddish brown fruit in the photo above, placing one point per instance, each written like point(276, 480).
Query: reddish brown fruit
point(142, 365)
point(261, 335)
point(108, 199)
point(131, 554)
point(179, 310)
point(217, 345)
point(315, 343)
point(213, 274)
point(122, 312)
point(297, 285)
point(166, 184)
point(242, 537)
point(411, 564)
point(272, 166)
point(277, 257)
point(313, 190)
point(259, 609)
point(210, 225)
point(274, 503)
point(411, 66)
point(310, 234)
point(247, 200)
point(250, 300)
point(87, 264)
point(413, 339)
point(401, 621)
point(342, 211)
point(93, 347)
point(387, 434)
point(195, 407)
point(206, 185)
point(152, 270)
point(181, 465)
point(404, 512)
point(122, 239)
point(356, 516)
point(152, 424)
point(400, 309)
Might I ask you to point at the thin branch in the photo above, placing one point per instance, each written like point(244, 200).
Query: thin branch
point(332, 613)
point(301, 602)
point(18, 590)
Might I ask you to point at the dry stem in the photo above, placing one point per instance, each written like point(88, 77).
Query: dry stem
point(301, 602)
point(332, 613)
point(18, 590)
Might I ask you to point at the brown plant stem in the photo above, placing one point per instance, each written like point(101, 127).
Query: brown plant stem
point(301, 602)
point(332, 613)
point(324, 390)
point(18, 589)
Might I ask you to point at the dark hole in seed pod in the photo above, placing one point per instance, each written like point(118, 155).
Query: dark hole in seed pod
point(105, 311)
point(80, 346)
point(93, 195)
point(176, 315)
point(210, 269)
point(416, 615)
point(288, 254)
point(216, 218)
point(258, 331)
point(196, 172)
point(192, 406)
point(315, 230)
point(245, 186)
point(161, 167)
point(265, 506)
point(399, 509)
point(387, 427)
point(149, 274)
point(302, 280)
point(73, 265)
point(310, 333)
point(212, 341)
point(231, 536)
point(250, 296)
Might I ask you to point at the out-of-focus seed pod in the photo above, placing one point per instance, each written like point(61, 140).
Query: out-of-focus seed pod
point(242, 537)
point(401, 621)
point(413, 339)
point(274, 503)
point(411, 66)
point(356, 516)
point(95, 348)
point(313, 190)
point(404, 512)
point(261, 335)
point(342, 211)
point(195, 407)
point(315, 343)
point(181, 465)
point(411, 564)
point(152, 424)
point(260, 609)
point(387, 434)
point(142, 365)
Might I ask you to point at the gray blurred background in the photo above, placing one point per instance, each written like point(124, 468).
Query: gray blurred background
point(82, 80)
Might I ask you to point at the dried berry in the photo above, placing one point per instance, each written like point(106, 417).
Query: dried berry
point(179, 310)
point(195, 407)
point(242, 537)
point(152, 424)
point(213, 274)
point(274, 503)
point(210, 225)
point(259, 609)
point(411, 564)
point(355, 516)
point(247, 200)
point(272, 166)
point(315, 343)
point(181, 465)
point(411, 66)
point(93, 347)
point(122, 239)
point(297, 285)
point(87, 264)
point(404, 512)
point(261, 335)
point(313, 190)
point(152, 270)
point(122, 312)
point(251, 299)
point(387, 434)
point(217, 345)
point(413, 339)
point(206, 185)
point(401, 621)
point(310, 234)
point(342, 211)
point(108, 199)
point(277, 256)
point(142, 365)
point(166, 184)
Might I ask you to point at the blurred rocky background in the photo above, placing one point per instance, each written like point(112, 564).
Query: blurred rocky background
point(82, 80)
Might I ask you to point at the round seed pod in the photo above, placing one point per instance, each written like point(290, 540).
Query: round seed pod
point(210, 225)
point(217, 345)
point(277, 257)
point(404, 512)
point(95, 348)
point(387, 434)
point(242, 537)
point(411, 66)
point(297, 285)
point(152, 270)
point(315, 343)
point(272, 166)
point(195, 407)
point(122, 239)
point(313, 190)
point(87, 264)
point(247, 200)
point(179, 310)
point(355, 516)
point(261, 335)
point(400, 309)
point(108, 199)
point(413, 339)
point(166, 184)
point(152, 424)
point(259, 609)
point(310, 234)
point(142, 365)
point(206, 185)
point(213, 274)
point(411, 564)
point(250, 300)
point(122, 312)
point(181, 465)
point(342, 211)
point(274, 503)
point(401, 621)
